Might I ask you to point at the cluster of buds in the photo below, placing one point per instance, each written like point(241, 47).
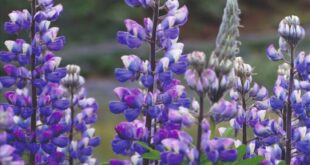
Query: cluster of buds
point(290, 30)
point(73, 80)
point(242, 69)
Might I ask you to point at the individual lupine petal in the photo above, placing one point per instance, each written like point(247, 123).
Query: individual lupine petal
point(172, 33)
point(6, 151)
point(147, 80)
point(14, 46)
point(11, 28)
point(228, 155)
point(213, 156)
point(62, 141)
point(223, 111)
point(134, 101)
point(6, 117)
point(94, 142)
point(58, 129)
point(45, 136)
point(7, 81)
point(261, 94)
point(56, 44)
point(181, 16)
point(46, 3)
point(172, 5)
point(121, 92)
point(123, 75)
point(53, 13)
point(153, 111)
point(7, 56)
point(57, 75)
point(55, 118)
point(135, 29)
point(168, 22)
point(61, 104)
point(171, 158)
point(273, 54)
point(306, 100)
point(303, 146)
point(148, 25)
point(125, 130)
point(131, 62)
point(262, 131)
point(132, 114)
point(117, 107)
point(120, 146)
point(179, 67)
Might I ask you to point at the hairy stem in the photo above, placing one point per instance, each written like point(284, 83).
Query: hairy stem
point(153, 63)
point(289, 111)
point(33, 88)
point(244, 127)
point(200, 118)
point(71, 161)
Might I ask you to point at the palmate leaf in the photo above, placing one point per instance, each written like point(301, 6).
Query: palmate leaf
point(282, 163)
point(229, 132)
point(241, 151)
point(152, 154)
point(251, 161)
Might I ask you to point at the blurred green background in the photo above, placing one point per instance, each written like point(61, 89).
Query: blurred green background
point(90, 27)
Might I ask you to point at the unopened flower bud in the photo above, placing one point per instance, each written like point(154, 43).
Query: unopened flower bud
point(73, 69)
point(290, 29)
point(242, 69)
point(73, 80)
point(197, 59)
point(284, 69)
point(213, 61)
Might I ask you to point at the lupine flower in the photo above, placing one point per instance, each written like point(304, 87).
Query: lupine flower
point(19, 20)
point(223, 111)
point(161, 99)
point(80, 149)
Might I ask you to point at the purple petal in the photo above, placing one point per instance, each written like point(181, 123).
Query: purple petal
point(273, 54)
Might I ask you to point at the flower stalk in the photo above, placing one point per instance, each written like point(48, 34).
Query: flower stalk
point(152, 58)
point(289, 109)
point(33, 88)
point(200, 119)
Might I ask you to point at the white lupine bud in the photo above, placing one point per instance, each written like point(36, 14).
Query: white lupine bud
point(197, 58)
point(195, 105)
point(73, 80)
point(290, 30)
point(284, 69)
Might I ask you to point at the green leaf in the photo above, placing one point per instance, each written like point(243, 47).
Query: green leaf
point(251, 161)
point(241, 151)
point(282, 163)
point(105, 163)
point(229, 132)
point(145, 146)
point(153, 155)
